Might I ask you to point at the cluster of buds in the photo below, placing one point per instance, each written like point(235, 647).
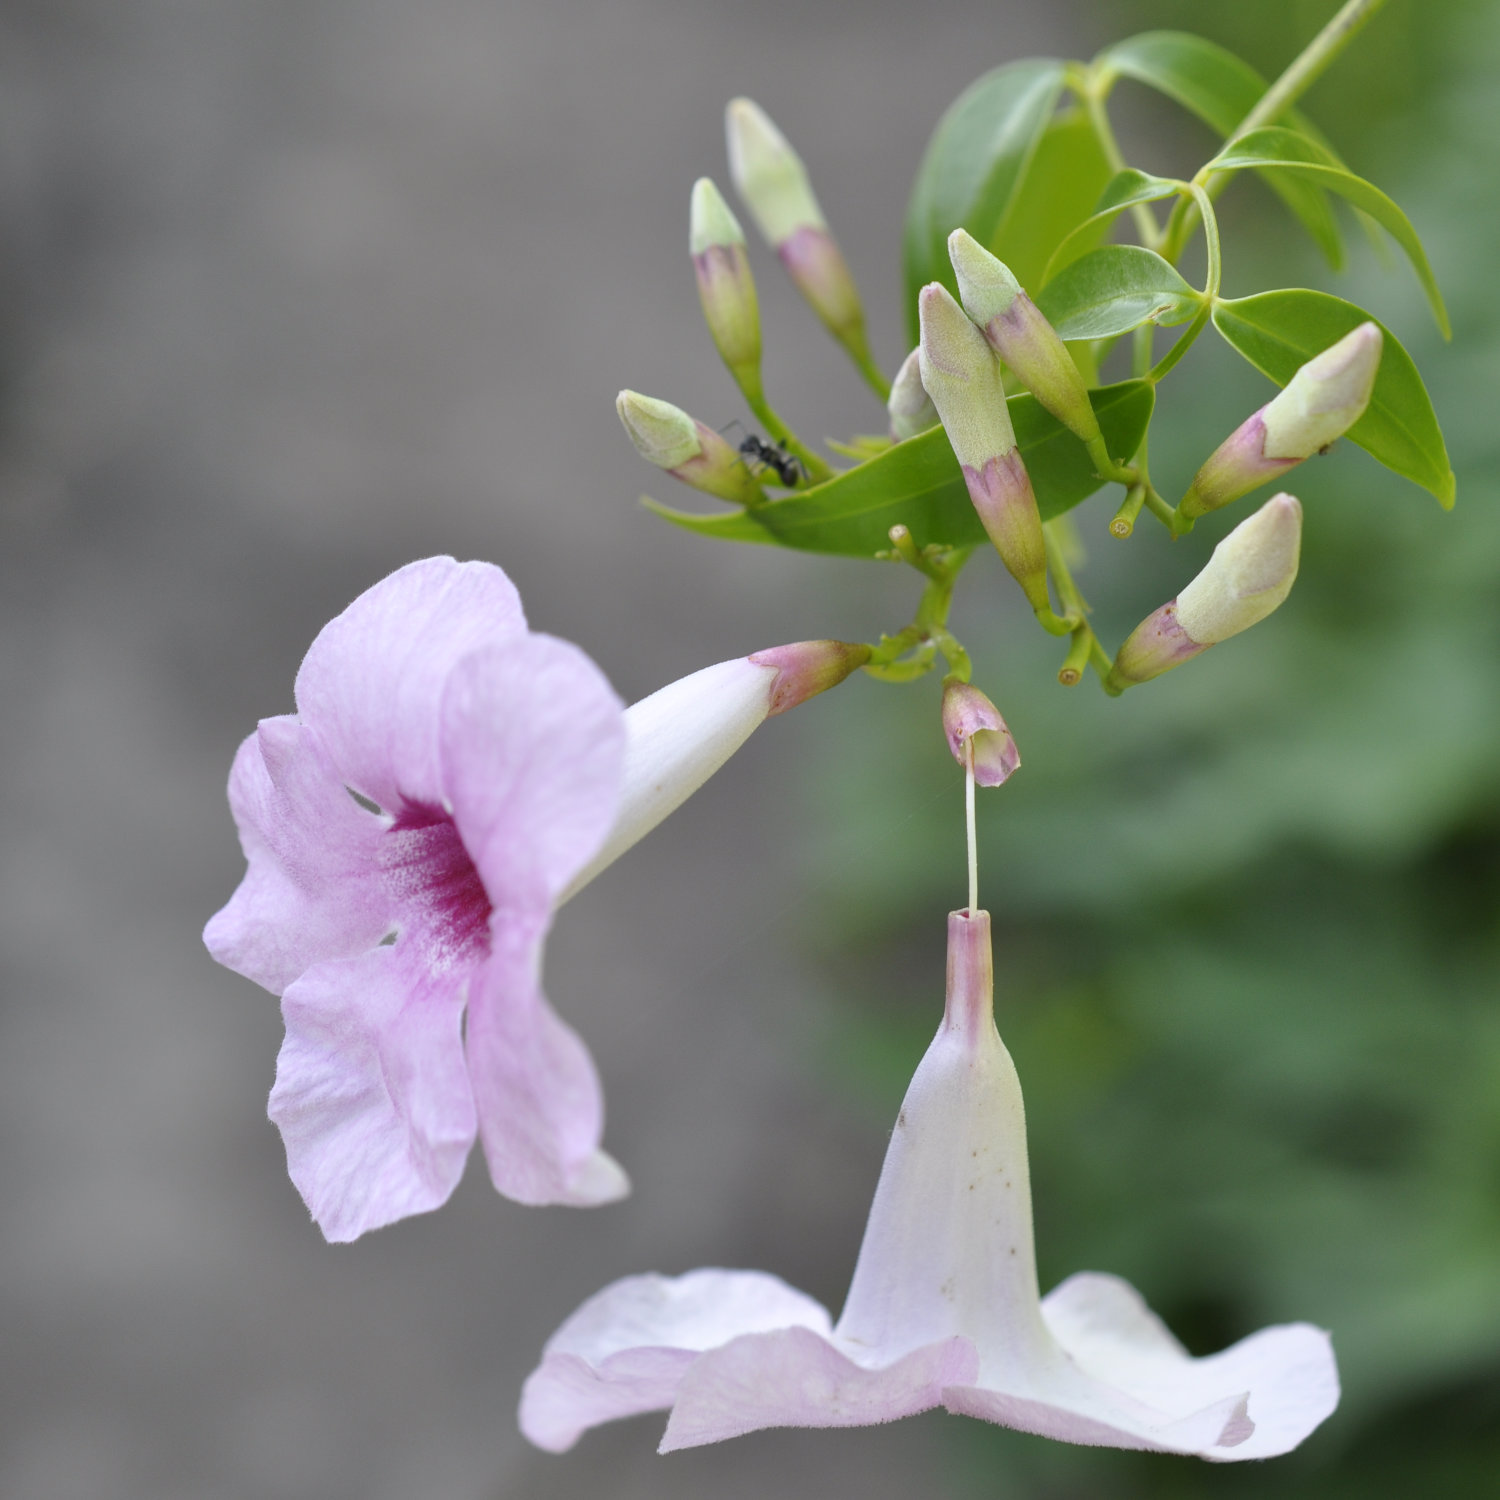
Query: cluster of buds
point(1250, 573)
point(1016, 330)
point(773, 183)
point(1320, 403)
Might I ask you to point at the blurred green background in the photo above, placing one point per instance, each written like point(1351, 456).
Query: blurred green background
point(1246, 916)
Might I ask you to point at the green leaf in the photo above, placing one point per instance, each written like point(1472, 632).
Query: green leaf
point(1280, 331)
point(1059, 188)
point(1296, 153)
point(973, 169)
point(920, 484)
point(1214, 84)
point(1114, 289)
point(1123, 190)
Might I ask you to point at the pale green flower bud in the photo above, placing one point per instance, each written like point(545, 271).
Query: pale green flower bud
point(771, 179)
point(725, 286)
point(910, 407)
point(962, 376)
point(668, 437)
point(1250, 573)
point(1320, 403)
point(1021, 336)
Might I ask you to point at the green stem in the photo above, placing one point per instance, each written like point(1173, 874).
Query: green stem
point(1300, 74)
point(1125, 518)
point(928, 632)
point(817, 469)
point(1310, 64)
point(1093, 87)
point(872, 373)
point(1185, 342)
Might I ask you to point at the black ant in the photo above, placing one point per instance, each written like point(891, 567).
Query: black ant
point(789, 469)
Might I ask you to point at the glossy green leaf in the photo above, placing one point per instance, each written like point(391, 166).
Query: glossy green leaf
point(1114, 289)
point(1279, 331)
point(972, 172)
point(1221, 90)
point(1301, 156)
point(1123, 190)
point(920, 484)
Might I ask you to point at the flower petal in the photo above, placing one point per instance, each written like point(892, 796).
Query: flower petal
point(796, 1377)
point(371, 681)
point(533, 748)
point(541, 1108)
point(626, 1349)
point(1127, 1383)
point(1288, 1370)
point(312, 890)
point(372, 1095)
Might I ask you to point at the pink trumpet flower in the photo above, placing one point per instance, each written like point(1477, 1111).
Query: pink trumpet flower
point(943, 1309)
point(448, 778)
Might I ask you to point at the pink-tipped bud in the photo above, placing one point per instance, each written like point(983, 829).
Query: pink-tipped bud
point(1020, 335)
point(1250, 573)
point(970, 720)
point(806, 668)
point(773, 182)
point(962, 375)
point(725, 286)
point(910, 407)
point(668, 437)
point(1320, 403)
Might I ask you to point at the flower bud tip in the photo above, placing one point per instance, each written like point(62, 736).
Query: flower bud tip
point(970, 718)
point(962, 376)
point(1250, 573)
point(768, 174)
point(711, 220)
point(663, 434)
point(806, 668)
point(1326, 397)
point(985, 283)
point(910, 407)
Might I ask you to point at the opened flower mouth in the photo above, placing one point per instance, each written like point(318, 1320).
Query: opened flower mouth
point(943, 1309)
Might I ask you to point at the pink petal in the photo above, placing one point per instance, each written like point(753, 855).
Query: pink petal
point(372, 1094)
point(533, 750)
point(311, 891)
point(1288, 1371)
point(796, 1378)
point(541, 1108)
point(371, 681)
point(626, 1349)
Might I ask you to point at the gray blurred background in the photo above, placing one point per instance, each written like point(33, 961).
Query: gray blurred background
point(293, 293)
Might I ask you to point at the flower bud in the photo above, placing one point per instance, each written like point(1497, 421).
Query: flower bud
point(1021, 336)
point(909, 405)
point(771, 179)
point(962, 377)
point(668, 437)
point(970, 719)
point(1249, 574)
point(725, 286)
point(1321, 402)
